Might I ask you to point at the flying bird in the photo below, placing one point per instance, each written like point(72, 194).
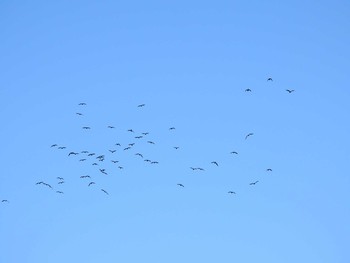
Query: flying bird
point(91, 183)
point(269, 170)
point(131, 144)
point(269, 79)
point(130, 130)
point(249, 134)
point(84, 152)
point(231, 192)
point(94, 164)
point(120, 167)
point(61, 147)
point(215, 163)
point(112, 151)
point(118, 144)
point(78, 113)
point(86, 128)
point(141, 105)
point(59, 192)
point(139, 154)
point(254, 183)
point(200, 169)
point(138, 137)
point(62, 182)
point(82, 160)
point(290, 90)
point(103, 171)
point(150, 142)
point(47, 185)
point(147, 160)
point(111, 127)
point(72, 153)
point(60, 178)
point(114, 161)
point(172, 128)
point(154, 162)
point(85, 176)
point(53, 145)
point(234, 152)
point(176, 147)
point(248, 90)
point(181, 185)
point(127, 148)
point(105, 191)
point(91, 154)
point(145, 133)
point(82, 103)
point(4, 201)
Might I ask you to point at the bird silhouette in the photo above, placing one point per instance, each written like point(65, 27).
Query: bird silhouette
point(172, 128)
point(82, 160)
point(94, 164)
point(61, 147)
point(248, 90)
point(86, 128)
point(59, 192)
point(254, 183)
point(290, 90)
point(105, 191)
point(147, 160)
point(139, 154)
point(85, 176)
point(60, 178)
point(114, 161)
point(127, 148)
point(215, 163)
point(78, 113)
point(138, 137)
point(181, 185)
point(118, 144)
point(112, 151)
point(234, 152)
point(249, 134)
point(120, 167)
point(269, 79)
point(131, 144)
point(53, 145)
point(269, 170)
point(62, 182)
point(91, 154)
point(110, 127)
point(4, 201)
point(145, 133)
point(176, 147)
point(141, 105)
point(103, 171)
point(231, 192)
point(84, 152)
point(82, 104)
point(130, 130)
point(150, 142)
point(91, 183)
point(154, 162)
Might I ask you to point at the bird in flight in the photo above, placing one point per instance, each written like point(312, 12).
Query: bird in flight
point(145, 133)
point(91, 154)
point(62, 147)
point(91, 183)
point(59, 192)
point(150, 142)
point(110, 127)
point(4, 201)
point(141, 105)
point(85, 176)
point(94, 164)
point(193, 169)
point(72, 153)
point(249, 134)
point(139, 154)
point(118, 144)
point(269, 170)
point(120, 167)
point(176, 147)
point(84, 152)
point(86, 128)
point(200, 169)
point(234, 152)
point(254, 183)
point(231, 192)
point(82, 104)
point(172, 128)
point(105, 191)
point(53, 145)
point(127, 148)
point(130, 130)
point(215, 163)
point(290, 90)
point(269, 79)
point(112, 151)
point(138, 137)
point(114, 161)
point(82, 160)
point(147, 160)
point(103, 171)
point(62, 182)
point(60, 178)
point(154, 162)
point(78, 113)
point(131, 144)
point(181, 185)
point(248, 90)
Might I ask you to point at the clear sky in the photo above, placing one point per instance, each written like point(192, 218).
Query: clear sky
point(190, 63)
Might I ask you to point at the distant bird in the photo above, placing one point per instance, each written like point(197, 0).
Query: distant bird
point(181, 185)
point(130, 130)
point(40, 182)
point(131, 144)
point(91, 154)
point(176, 147)
point(145, 133)
point(215, 163)
point(78, 113)
point(86, 128)
point(82, 160)
point(111, 127)
point(154, 162)
point(100, 157)
point(127, 148)
point(82, 103)
point(61, 147)
point(103, 171)
point(201, 169)
point(59, 192)
point(290, 90)
point(105, 191)
point(118, 144)
point(193, 169)
point(150, 142)
point(269, 79)
point(72, 153)
point(47, 185)
point(114, 161)
point(94, 164)
point(120, 167)
point(234, 152)
point(249, 134)
point(254, 183)
point(84, 152)
point(248, 90)
point(172, 128)
point(139, 154)
point(112, 151)
point(85, 176)
point(231, 192)
point(62, 182)
point(141, 105)
point(91, 183)
point(60, 178)
point(4, 201)
point(53, 145)
point(147, 160)
point(138, 137)
point(269, 170)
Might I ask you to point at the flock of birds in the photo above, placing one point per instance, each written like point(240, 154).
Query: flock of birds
point(98, 159)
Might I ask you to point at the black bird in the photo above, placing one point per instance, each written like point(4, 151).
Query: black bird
point(111, 127)
point(147, 160)
point(53, 145)
point(82, 160)
point(72, 153)
point(234, 152)
point(91, 154)
point(145, 133)
point(103, 171)
point(91, 183)
point(201, 169)
point(127, 148)
point(86, 128)
point(150, 142)
point(181, 185)
point(85, 176)
point(105, 191)
point(176, 147)
point(130, 130)
point(172, 128)
point(139, 154)
point(84, 152)
point(82, 103)
point(215, 163)
point(120, 167)
point(141, 105)
point(78, 113)
point(100, 157)
point(290, 90)
point(60, 178)
point(47, 185)
point(154, 162)
point(94, 164)
point(62, 182)
point(231, 192)
point(269, 170)
point(61, 147)
point(254, 183)
point(4, 201)
point(249, 134)
point(114, 161)
point(40, 182)
point(193, 169)
point(138, 137)
point(118, 144)
point(131, 144)
point(269, 79)
point(248, 90)
point(112, 151)
point(59, 192)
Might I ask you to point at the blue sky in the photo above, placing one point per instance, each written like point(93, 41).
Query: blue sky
point(189, 62)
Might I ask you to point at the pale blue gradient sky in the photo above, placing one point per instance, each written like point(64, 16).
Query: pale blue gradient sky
point(189, 62)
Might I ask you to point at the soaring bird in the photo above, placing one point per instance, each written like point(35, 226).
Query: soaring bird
point(248, 90)
point(172, 128)
point(111, 127)
point(234, 152)
point(59, 192)
point(41, 182)
point(82, 103)
point(60, 178)
point(100, 157)
point(47, 185)
point(147, 160)
point(254, 183)
point(84, 152)
point(4, 201)
point(62, 182)
point(269, 79)
point(112, 151)
point(145, 133)
point(139, 154)
point(130, 130)
point(86, 128)
point(141, 105)
point(120, 167)
point(61, 147)
point(200, 169)
point(85, 176)
point(176, 147)
point(105, 191)
point(181, 185)
point(154, 162)
point(138, 137)
point(193, 169)
point(231, 192)
point(94, 164)
point(53, 145)
point(131, 144)
point(127, 148)
point(150, 142)
point(118, 144)
point(114, 161)
point(269, 170)
point(91, 154)
point(82, 160)
point(290, 90)
point(78, 113)
point(72, 153)
point(91, 183)
point(103, 171)
point(249, 134)
point(215, 163)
